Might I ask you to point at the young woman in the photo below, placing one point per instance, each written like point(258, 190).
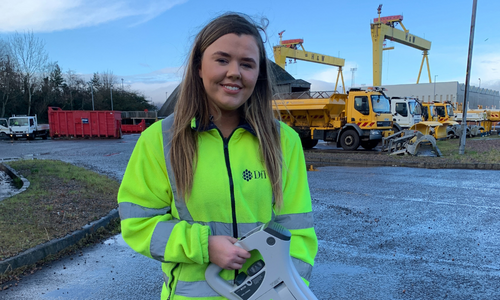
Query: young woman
point(218, 167)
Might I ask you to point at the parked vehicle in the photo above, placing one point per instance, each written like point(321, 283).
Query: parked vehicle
point(358, 118)
point(4, 127)
point(27, 127)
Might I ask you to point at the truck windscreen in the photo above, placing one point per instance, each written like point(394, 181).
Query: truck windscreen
point(415, 108)
point(18, 122)
point(381, 104)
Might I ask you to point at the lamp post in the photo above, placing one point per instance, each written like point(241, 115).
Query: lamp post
point(479, 82)
point(122, 83)
point(111, 90)
point(352, 77)
point(92, 92)
point(435, 87)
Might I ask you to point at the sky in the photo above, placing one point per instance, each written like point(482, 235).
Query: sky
point(144, 43)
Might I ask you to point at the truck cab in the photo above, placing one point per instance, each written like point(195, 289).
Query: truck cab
point(4, 127)
point(441, 112)
point(406, 112)
point(368, 112)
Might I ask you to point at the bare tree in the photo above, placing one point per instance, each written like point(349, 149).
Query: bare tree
point(6, 74)
point(30, 57)
point(108, 79)
point(71, 81)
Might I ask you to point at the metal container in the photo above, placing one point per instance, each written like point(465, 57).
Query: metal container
point(84, 123)
point(131, 128)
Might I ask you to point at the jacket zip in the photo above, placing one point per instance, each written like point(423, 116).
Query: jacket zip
point(231, 184)
point(231, 189)
point(172, 280)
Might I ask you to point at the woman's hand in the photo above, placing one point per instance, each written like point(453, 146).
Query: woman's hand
point(225, 254)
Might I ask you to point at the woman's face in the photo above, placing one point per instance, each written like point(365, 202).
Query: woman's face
point(229, 70)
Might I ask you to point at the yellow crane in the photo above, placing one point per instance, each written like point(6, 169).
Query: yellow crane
point(290, 49)
point(383, 28)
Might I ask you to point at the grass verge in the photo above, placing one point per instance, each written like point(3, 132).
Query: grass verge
point(61, 198)
point(477, 150)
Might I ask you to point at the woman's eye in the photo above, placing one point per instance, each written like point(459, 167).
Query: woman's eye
point(249, 66)
point(221, 60)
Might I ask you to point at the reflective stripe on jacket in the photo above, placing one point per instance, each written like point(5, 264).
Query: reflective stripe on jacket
point(231, 195)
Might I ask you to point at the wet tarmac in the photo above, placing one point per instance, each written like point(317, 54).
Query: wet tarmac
point(384, 233)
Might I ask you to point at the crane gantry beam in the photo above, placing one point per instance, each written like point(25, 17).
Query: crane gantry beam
point(382, 28)
point(290, 49)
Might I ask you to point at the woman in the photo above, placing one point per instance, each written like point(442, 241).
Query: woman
point(218, 167)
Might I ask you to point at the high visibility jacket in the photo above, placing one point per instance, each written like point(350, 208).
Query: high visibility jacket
point(231, 195)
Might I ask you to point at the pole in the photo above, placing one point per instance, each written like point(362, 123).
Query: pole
point(435, 87)
point(122, 83)
point(111, 90)
point(352, 78)
point(479, 82)
point(461, 149)
point(92, 91)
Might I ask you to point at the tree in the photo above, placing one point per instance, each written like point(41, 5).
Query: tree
point(71, 81)
point(30, 57)
point(6, 75)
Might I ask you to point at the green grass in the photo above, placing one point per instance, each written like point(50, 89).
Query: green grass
point(61, 198)
point(477, 150)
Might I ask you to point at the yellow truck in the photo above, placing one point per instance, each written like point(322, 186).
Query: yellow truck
point(361, 117)
point(441, 112)
point(480, 121)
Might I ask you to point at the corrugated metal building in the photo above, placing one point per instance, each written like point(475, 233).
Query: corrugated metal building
point(446, 91)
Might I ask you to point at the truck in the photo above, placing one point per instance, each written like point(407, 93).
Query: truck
point(4, 127)
point(360, 117)
point(406, 112)
point(442, 112)
point(27, 127)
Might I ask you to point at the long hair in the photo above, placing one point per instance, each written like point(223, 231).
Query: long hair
point(193, 103)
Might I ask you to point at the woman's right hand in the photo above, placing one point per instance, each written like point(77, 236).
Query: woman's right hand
point(225, 254)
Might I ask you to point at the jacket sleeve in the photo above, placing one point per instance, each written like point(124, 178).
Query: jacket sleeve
point(145, 206)
point(296, 214)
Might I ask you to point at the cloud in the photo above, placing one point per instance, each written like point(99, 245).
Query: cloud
point(487, 67)
point(156, 85)
point(55, 15)
point(156, 92)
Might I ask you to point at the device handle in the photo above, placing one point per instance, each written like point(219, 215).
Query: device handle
point(217, 283)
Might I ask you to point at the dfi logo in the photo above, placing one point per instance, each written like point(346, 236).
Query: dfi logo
point(249, 175)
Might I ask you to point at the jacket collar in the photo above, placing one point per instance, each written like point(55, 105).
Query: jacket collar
point(195, 125)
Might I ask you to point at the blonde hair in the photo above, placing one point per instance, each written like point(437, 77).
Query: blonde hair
point(193, 103)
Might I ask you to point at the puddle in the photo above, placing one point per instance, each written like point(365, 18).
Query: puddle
point(7, 187)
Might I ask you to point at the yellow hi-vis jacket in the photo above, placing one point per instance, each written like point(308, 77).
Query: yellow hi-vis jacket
point(231, 195)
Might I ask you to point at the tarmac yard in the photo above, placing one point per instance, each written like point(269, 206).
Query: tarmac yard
point(384, 233)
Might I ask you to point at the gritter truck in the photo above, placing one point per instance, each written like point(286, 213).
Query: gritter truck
point(361, 117)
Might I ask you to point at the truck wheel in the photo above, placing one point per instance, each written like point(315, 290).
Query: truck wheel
point(44, 137)
point(369, 145)
point(349, 140)
point(308, 143)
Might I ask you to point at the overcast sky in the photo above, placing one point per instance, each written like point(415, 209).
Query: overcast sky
point(145, 42)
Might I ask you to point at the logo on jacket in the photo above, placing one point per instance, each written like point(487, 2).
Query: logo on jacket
point(249, 175)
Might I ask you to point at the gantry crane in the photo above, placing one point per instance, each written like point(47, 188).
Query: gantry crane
point(383, 28)
point(290, 49)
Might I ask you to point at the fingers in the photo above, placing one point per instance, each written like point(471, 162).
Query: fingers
point(225, 254)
